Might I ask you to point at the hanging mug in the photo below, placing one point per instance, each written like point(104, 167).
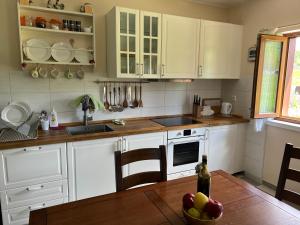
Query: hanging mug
point(35, 73)
point(69, 74)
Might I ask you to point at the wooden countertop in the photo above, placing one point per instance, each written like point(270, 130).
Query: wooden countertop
point(133, 126)
point(161, 204)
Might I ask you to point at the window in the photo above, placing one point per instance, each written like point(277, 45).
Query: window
point(276, 91)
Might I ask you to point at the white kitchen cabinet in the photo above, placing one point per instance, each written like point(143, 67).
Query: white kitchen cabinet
point(151, 140)
point(33, 194)
point(180, 46)
point(20, 215)
point(123, 43)
point(220, 50)
point(91, 167)
point(150, 44)
point(32, 165)
point(133, 43)
point(226, 148)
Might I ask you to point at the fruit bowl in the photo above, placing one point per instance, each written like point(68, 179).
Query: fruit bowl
point(196, 221)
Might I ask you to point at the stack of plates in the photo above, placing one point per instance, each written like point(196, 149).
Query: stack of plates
point(16, 113)
point(62, 52)
point(40, 51)
point(82, 55)
point(37, 50)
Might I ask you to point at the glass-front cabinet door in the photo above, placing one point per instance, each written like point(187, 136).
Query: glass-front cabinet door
point(150, 44)
point(128, 43)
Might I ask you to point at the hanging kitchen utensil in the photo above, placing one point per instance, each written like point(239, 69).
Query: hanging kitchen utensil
point(114, 93)
point(106, 103)
point(110, 102)
point(135, 101)
point(140, 101)
point(125, 102)
point(130, 96)
point(119, 106)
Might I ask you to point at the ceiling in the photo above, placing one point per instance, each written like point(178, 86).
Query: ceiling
point(221, 3)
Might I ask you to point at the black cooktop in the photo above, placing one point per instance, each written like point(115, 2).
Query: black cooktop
point(175, 121)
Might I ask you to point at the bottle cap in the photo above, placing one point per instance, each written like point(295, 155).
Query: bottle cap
point(204, 159)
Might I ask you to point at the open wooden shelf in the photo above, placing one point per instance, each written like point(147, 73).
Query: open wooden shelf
point(57, 63)
point(38, 8)
point(27, 28)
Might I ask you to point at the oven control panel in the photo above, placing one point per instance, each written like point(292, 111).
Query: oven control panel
point(186, 133)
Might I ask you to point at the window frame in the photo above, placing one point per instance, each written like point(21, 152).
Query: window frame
point(258, 75)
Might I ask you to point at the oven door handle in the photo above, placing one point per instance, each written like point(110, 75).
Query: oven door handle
point(185, 140)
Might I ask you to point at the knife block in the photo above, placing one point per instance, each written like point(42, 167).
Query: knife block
point(197, 109)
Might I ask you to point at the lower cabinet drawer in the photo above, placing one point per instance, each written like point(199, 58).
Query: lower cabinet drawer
point(20, 215)
point(33, 194)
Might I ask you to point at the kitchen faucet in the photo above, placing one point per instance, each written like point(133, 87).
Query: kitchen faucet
point(85, 102)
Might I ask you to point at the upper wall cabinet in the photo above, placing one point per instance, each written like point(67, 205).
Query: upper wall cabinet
point(180, 44)
point(133, 43)
point(220, 50)
point(150, 45)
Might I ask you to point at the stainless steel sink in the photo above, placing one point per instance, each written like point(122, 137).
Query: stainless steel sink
point(88, 129)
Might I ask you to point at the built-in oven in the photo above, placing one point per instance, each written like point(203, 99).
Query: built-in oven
point(184, 151)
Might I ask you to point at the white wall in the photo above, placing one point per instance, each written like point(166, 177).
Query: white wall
point(255, 15)
point(276, 138)
point(159, 98)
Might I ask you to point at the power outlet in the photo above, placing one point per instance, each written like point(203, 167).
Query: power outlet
point(234, 98)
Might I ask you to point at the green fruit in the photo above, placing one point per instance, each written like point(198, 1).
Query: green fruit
point(194, 213)
point(200, 201)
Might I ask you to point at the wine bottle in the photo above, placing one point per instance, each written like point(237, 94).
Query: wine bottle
point(204, 177)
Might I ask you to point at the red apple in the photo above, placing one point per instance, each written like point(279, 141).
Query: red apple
point(188, 201)
point(213, 208)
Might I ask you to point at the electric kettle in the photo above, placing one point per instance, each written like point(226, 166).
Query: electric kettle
point(226, 108)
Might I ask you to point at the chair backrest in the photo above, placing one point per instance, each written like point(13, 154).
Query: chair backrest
point(287, 173)
point(122, 159)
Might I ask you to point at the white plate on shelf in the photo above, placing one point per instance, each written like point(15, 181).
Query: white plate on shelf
point(16, 113)
point(82, 55)
point(62, 52)
point(37, 50)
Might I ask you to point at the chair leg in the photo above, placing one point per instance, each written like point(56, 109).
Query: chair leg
point(283, 171)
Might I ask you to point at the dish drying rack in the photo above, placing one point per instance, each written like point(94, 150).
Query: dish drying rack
point(26, 131)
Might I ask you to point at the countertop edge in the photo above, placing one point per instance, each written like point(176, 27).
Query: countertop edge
point(62, 137)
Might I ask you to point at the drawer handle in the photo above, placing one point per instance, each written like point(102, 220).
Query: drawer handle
point(32, 149)
point(36, 207)
point(35, 188)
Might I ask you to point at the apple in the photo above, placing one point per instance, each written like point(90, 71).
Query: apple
point(188, 201)
point(213, 208)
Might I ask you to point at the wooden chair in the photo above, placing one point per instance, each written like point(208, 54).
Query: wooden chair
point(122, 159)
point(287, 173)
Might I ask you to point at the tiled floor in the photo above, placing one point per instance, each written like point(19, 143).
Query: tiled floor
point(264, 188)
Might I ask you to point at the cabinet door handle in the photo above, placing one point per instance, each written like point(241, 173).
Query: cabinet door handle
point(124, 145)
point(119, 145)
point(142, 69)
point(163, 70)
point(36, 207)
point(200, 71)
point(35, 188)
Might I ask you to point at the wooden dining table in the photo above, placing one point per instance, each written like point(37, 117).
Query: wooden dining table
point(161, 204)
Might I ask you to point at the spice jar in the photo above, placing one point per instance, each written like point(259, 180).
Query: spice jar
point(78, 26)
point(71, 25)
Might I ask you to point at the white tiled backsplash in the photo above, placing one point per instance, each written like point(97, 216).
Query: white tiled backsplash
point(159, 98)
